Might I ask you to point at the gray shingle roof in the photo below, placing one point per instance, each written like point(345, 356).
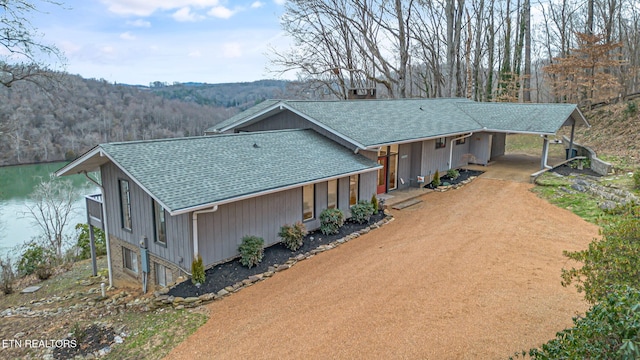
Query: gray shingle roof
point(188, 172)
point(372, 122)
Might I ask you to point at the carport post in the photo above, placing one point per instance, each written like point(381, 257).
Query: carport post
point(545, 152)
point(573, 128)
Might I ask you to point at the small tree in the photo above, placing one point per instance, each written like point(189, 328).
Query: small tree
point(374, 203)
point(51, 208)
point(7, 275)
point(197, 271)
point(436, 179)
point(84, 242)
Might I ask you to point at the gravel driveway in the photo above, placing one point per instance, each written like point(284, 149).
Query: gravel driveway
point(472, 273)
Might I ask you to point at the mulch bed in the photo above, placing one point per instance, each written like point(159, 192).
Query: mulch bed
point(227, 274)
point(464, 175)
point(567, 170)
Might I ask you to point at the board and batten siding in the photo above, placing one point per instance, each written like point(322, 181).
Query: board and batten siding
point(289, 120)
point(221, 232)
point(368, 184)
point(179, 247)
point(460, 154)
point(404, 166)
point(480, 148)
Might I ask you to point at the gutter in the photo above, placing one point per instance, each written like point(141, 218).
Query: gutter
point(104, 225)
point(451, 147)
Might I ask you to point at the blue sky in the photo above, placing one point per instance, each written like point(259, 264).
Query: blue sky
point(140, 41)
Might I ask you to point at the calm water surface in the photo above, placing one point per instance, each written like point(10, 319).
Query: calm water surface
point(16, 184)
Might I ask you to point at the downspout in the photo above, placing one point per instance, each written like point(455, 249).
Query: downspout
point(451, 148)
point(194, 219)
point(105, 226)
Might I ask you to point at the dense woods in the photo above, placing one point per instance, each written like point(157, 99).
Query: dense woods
point(39, 126)
point(487, 50)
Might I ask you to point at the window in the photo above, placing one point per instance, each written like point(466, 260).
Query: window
point(441, 143)
point(461, 141)
point(125, 204)
point(308, 198)
point(164, 276)
point(130, 260)
point(353, 189)
point(332, 194)
point(160, 223)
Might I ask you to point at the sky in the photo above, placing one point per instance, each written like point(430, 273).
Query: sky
point(142, 41)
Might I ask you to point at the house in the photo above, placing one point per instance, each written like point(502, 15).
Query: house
point(164, 201)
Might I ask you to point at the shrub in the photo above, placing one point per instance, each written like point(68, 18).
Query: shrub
point(636, 179)
point(33, 256)
point(251, 251)
point(44, 271)
point(84, 242)
point(197, 271)
point(436, 179)
point(453, 174)
point(362, 211)
point(374, 203)
point(293, 235)
point(609, 330)
point(331, 220)
point(632, 109)
point(7, 275)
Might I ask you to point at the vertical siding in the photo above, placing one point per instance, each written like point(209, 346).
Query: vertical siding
point(498, 145)
point(289, 120)
point(220, 233)
point(343, 196)
point(479, 147)
point(404, 165)
point(416, 162)
point(179, 247)
point(434, 159)
point(460, 154)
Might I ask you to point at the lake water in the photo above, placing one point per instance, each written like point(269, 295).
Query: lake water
point(16, 184)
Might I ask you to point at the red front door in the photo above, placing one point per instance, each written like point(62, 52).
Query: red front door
point(382, 175)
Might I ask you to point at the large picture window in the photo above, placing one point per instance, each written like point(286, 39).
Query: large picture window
point(353, 189)
point(125, 204)
point(332, 194)
point(308, 202)
point(130, 260)
point(441, 143)
point(160, 222)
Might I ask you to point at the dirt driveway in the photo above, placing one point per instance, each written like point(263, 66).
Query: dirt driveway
point(467, 274)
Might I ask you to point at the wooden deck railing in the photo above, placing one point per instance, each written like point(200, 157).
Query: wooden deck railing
point(94, 210)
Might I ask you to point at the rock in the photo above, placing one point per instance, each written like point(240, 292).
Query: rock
point(229, 288)
point(364, 231)
point(271, 268)
point(300, 257)
point(207, 297)
point(222, 292)
point(268, 274)
point(18, 335)
point(191, 299)
point(117, 339)
point(282, 267)
point(104, 351)
point(179, 307)
point(608, 205)
point(162, 297)
point(177, 300)
point(90, 356)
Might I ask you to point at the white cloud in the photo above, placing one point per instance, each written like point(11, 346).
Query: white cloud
point(185, 15)
point(139, 23)
point(257, 4)
point(127, 36)
point(280, 2)
point(195, 54)
point(221, 12)
point(232, 50)
point(148, 7)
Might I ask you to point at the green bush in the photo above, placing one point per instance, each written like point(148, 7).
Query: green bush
point(361, 212)
point(251, 251)
point(197, 271)
point(84, 242)
point(453, 174)
point(610, 261)
point(609, 330)
point(331, 220)
point(436, 179)
point(293, 235)
point(33, 257)
point(636, 179)
point(374, 203)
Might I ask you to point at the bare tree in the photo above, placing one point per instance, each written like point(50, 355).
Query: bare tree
point(20, 40)
point(51, 208)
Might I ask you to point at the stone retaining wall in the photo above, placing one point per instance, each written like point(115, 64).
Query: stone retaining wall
point(598, 165)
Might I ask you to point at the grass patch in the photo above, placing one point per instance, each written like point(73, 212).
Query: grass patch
point(580, 204)
point(153, 335)
point(531, 145)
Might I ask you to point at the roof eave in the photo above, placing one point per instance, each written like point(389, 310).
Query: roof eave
point(268, 191)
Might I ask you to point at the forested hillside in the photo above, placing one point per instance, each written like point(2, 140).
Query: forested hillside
point(36, 126)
